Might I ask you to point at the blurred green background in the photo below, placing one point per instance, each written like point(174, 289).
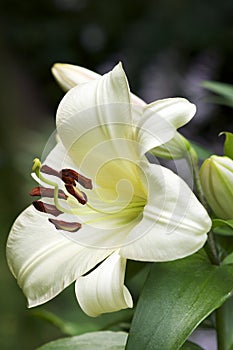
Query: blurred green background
point(167, 48)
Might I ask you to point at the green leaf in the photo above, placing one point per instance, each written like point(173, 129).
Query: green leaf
point(228, 144)
point(224, 245)
point(190, 346)
point(222, 89)
point(228, 259)
point(89, 341)
point(176, 297)
point(223, 227)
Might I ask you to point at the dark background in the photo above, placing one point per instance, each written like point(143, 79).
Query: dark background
point(167, 48)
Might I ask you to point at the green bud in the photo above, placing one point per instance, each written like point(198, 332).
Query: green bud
point(216, 177)
point(176, 148)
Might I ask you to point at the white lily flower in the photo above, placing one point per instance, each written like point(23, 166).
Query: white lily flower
point(103, 202)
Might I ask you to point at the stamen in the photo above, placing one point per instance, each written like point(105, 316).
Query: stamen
point(68, 180)
point(67, 226)
point(46, 208)
point(50, 171)
point(47, 192)
point(79, 195)
point(69, 177)
point(82, 180)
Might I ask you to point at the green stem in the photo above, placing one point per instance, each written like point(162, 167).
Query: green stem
point(195, 168)
point(220, 328)
point(211, 250)
point(210, 246)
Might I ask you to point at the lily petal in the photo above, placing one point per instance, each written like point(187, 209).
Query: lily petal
point(109, 89)
point(103, 290)
point(94, 119)
point(177, 111)
point(174, 223)
point(58, 158)
point(69, 75)
point(43, 260)
point(161, 119)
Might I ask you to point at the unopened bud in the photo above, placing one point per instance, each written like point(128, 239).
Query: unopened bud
point(68, 75)
point(216, 176)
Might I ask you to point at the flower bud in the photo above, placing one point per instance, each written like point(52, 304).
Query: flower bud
point(216, 176)
point(69, 75)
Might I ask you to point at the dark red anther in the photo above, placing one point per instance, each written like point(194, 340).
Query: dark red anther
point(66, 226)
point(68, 180)
point(47, 192)
point(82, 180)
point(46, 208)
point(50, 171)
point(79, 195)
